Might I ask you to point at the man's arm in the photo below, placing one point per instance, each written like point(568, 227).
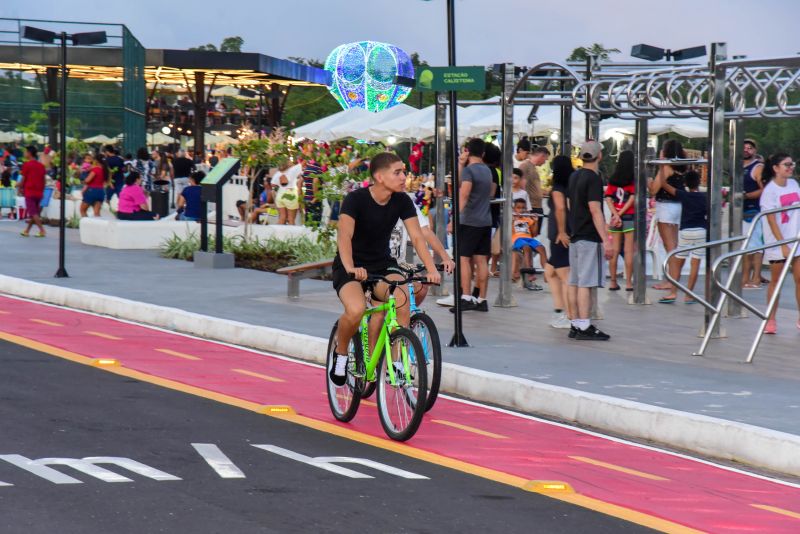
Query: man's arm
point(344, 241)
point(757, 177)
point(438, 248)
point(560, 204)
point(599, 224)
point(418, 241)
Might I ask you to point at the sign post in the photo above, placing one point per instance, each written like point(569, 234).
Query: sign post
point(211, 191)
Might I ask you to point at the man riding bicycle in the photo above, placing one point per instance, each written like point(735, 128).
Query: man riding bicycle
point(366, 220)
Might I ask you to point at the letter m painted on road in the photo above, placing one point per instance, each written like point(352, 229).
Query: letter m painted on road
point(328, 463)
point(88, 466)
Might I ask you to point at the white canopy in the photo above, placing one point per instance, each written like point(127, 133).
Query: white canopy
point(102, 139)
point(321, 129)
point(689, 127)
point(362, 126)
point(233, 92)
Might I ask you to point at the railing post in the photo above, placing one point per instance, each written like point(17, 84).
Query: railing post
point(505, 298)
point(440, 224)
point(717, 137)
point(735, 206)
point(640, 218)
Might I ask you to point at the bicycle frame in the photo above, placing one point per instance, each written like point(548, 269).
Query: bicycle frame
point(382, 344)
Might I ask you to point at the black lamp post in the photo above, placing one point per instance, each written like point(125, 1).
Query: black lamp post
point(79, 39)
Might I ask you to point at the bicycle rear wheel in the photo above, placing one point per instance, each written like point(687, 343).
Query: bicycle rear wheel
point(425, 329)
point(343, 400)
point(401, 405)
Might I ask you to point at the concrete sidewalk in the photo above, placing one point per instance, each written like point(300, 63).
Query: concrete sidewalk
point(648, 359)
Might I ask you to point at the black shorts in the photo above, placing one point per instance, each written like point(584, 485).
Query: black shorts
point(341, 276)
point(559, 256)
point(474, 240)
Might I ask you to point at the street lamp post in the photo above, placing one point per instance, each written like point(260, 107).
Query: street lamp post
point(49, 37)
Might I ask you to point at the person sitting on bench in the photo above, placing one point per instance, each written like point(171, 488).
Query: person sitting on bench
point(133, 202)
point(525, 227)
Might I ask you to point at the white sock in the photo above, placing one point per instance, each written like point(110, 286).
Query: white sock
point(479, 300)
point(340, 365)
point(582, 324)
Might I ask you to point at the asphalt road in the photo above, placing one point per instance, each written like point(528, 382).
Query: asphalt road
point(52, 408)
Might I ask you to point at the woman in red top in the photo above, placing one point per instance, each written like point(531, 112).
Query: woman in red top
point(620, 195)
point(94, 187)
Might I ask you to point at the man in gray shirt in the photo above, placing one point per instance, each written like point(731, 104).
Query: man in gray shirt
point(475, 190)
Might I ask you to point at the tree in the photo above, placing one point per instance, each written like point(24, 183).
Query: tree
point(231, 44)
point(205, 48)
point(598, 50)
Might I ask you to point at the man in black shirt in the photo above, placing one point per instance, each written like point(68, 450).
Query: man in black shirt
point(366, 221)
point(115, 165)
point(587, 244)
point(182, 168)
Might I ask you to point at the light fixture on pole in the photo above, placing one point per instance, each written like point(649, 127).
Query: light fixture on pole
point(78, 39)
point(654, 53)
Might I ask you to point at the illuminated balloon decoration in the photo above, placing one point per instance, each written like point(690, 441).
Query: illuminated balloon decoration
point(363, 75)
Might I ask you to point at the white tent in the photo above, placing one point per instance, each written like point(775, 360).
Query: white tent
point(10, 137)
point(321, 129)
point(102, 139)
point(159, 138)
point(689, 127)
point(362, 127)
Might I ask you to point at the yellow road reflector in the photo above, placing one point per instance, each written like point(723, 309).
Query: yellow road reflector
point(776, 510)
point(178, 354)
point(48, 323)
point(277, 410)
point(626, 470)
point(258, 375)
point(548, 486)
point(105, 362)
point(466, 428)
point(100, 334)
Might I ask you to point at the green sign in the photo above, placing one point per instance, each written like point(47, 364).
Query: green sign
point(451, 79)
point(221, 171)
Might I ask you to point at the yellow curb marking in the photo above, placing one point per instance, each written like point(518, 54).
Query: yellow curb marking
point(178, 354)
point(619, 468)
point(468, 429)
point(258, 375)
point(776, 510)
point(100, 334)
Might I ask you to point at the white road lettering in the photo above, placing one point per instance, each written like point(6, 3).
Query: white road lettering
point(218, 460)
point(328, 463)
point(87, 466)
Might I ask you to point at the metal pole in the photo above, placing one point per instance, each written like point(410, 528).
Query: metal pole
point(640, 218)
point(716, 125)
point(566, 130)
point(204, 226)
point(593, 132)
point(218, 238)
point(735, 205)
point(505, 298)
point(458, 336)
point(62, 112)
point(440, 143)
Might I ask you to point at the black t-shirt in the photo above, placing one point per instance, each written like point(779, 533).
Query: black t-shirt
point(495, 208)
point(374, 224)
point(693, 209)
point(183, 167)
point(584, 186)
point(676, 181)
point(552, 224)
point(115, 166)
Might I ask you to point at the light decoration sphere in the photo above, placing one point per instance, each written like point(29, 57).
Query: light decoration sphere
point(363, 73)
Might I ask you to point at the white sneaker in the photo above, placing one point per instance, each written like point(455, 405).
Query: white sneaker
point(561, 322)
point(446, 301)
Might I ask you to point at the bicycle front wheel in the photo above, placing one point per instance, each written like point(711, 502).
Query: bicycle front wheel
point(425, 329)
point(343, 400)
point(401, 404)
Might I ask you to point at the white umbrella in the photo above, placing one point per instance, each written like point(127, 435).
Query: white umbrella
point(102, 139)
point(159, 138)
point(233, 92)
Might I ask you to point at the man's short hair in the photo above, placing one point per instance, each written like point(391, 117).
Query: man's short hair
point(32, 150)
point(517, 172)
point(476, 147)
point(691, 179)
point(384, 160)
point(750, 142)
point(524, 145)
point(197, 176)
point(541, 150)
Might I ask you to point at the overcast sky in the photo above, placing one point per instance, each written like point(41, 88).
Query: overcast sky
point(488, 31)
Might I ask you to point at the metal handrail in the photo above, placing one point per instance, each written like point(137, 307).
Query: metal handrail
point(726, 291)
point(676, 283)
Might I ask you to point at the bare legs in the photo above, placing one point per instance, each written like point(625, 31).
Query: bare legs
point(669, 236)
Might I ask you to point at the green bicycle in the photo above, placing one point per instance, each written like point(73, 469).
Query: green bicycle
point(402, 384)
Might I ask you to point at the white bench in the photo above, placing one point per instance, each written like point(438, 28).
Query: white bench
point(139, 235)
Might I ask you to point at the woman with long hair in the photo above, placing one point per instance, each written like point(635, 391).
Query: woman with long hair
point(557, 269)
point(668, 209)
point(781, 191)
point(620, 195)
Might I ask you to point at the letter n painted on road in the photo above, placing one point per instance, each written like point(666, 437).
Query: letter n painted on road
point(328, 463)
point(87, 466)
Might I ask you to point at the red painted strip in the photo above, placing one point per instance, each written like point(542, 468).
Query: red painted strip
point(698, 495)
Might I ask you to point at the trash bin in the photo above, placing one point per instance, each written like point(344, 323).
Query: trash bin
point(159, 197)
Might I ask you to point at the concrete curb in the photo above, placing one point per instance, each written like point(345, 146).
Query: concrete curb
point(729, 440)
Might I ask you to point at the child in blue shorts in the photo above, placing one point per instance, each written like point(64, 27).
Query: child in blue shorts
point(525, 227)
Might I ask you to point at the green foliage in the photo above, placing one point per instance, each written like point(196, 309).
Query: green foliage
point(231, 44)
point(205, 48)
point(273, 252)
point(583, 52)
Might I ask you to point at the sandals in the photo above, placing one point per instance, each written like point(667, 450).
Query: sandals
point(24, 234)
point(666, 300)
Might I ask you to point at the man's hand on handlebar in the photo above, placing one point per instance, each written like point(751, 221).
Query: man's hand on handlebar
point(433, 277)
point(359, 273)
point(449, 265)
